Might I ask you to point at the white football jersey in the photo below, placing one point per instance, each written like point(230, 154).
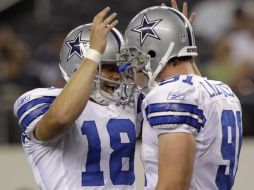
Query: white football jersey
point(97, 152)
point(205, 108)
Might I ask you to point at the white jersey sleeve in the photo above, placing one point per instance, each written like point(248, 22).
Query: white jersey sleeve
point(97, 153)
point(205, 108)
point(174, 107)
point(31, 106)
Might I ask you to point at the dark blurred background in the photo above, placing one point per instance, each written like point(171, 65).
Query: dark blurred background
point(32, 31)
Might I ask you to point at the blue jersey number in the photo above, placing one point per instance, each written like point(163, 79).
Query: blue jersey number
point(230, 125)
point(122, 140)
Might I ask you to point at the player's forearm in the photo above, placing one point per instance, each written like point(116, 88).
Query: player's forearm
point(73, 99)
point(172, 186)
point(176, 156)
point(174, 181)
point(69, 104)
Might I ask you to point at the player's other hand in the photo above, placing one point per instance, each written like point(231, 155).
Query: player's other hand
point(102, 24)
point(184, 10)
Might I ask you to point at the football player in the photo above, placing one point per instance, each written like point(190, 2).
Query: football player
point(192, 128)
point(82, 136)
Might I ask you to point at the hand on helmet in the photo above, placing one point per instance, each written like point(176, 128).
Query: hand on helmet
point(184, 10)
point(102, 24)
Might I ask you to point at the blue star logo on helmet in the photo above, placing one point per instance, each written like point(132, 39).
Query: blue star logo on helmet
point(147, 29)
point(74, 46)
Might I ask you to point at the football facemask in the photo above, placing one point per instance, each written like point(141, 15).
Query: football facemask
point(73, 52)
point(153, 37)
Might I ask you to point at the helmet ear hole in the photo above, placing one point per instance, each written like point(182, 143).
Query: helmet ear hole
point(151, 53)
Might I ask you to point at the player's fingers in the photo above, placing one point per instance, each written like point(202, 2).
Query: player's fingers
point(109, 19)
point(185, 9)
point(100, 16)
point(113, 24)
point(192, 17)
point(163, 4)
point(174, 4)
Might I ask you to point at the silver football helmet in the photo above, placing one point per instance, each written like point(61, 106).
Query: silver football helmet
point(72, 53)
point(153, 37)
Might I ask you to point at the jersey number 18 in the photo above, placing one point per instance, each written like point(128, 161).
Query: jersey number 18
point(93, 176)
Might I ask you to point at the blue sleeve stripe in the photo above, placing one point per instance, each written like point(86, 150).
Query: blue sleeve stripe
point(164, 120)
point(177, 107)
point(33, 115)
point(34, 102)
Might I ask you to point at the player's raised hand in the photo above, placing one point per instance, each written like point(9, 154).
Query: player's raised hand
point(184, 10)
point(102, 24)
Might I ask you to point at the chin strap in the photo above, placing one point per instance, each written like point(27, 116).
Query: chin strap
point(160, 67)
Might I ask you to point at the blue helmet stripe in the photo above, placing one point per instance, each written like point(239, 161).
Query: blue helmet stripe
point(167, 120)
point(34, 102)
point(117, 38)
point(33, 115)
point(186, 26)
